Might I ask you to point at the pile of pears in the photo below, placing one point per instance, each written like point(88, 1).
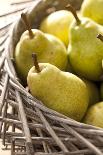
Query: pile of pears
point(61, 61)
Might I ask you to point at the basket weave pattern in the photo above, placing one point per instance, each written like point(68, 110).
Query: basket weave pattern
point(35, 129)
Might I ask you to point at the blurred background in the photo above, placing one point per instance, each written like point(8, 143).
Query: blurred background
point(5, 4)
point(10, 10)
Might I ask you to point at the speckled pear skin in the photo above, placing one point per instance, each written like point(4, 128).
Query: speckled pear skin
point(94, 115)
point(93, 9)
point(58, 23)
point(85, 50)
point(93, 90)
point(58, 90)
point(48, 48)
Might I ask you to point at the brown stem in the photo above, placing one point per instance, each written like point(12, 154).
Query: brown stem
point(99, 36)
point(73, 11)
point(35, 61)
point(24, 17)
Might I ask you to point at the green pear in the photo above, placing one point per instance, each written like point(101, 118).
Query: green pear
point(93, 9)
point(49, 49)
point(93, 92)
point(58, 90)
point(58, 23)
point(85, 50)
point(94, 115)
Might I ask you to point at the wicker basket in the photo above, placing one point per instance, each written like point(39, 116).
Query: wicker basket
point(35, 129)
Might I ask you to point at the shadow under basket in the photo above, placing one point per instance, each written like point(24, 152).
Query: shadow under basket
point(36, 129)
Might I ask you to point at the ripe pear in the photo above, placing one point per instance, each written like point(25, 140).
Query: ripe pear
point(94, 115)
point(58, 90)
point(58, 23)
point(93, 92)
point(49, 48)
point(93, 9)
point(85, 50)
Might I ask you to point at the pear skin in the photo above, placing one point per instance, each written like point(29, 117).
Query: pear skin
point(93, 9)
point(93, 90)
point(94, 115)
point(58, 90)
point(85, 49)
point(57, 23)
point(49, 49)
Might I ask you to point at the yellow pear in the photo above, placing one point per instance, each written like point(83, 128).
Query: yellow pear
point(94, 115)
point(49, 48)
point(58, 90)
point(93, 9)
point(58, 23)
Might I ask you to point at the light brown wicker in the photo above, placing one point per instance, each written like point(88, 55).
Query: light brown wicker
point(35, 129)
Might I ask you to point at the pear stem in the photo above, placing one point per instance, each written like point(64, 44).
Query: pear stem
point(73, 11)
point(35, 61)
point(24, 17)
point(99, 36)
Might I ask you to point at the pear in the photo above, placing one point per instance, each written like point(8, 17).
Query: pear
point(94, 115)
point(93, 92)
point(93, 9)
point(58, 23)
point(49, 48)
point(58, 90)
point(85, 50)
